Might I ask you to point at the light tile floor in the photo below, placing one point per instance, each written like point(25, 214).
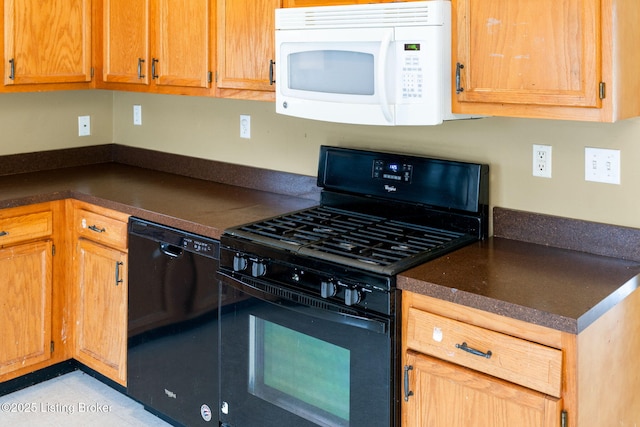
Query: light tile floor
point(74, 399)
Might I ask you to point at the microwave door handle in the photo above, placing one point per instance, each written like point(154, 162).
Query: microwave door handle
point(382, 76)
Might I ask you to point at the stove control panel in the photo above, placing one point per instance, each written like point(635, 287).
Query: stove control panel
point(352, 289)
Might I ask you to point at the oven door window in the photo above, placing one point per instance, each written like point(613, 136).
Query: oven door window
point(299, 373)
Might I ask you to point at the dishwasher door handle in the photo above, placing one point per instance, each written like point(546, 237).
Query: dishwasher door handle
point(171, 251)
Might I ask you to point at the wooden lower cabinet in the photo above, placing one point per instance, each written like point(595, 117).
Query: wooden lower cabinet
point(100, 293)
point(447, 395)
point(460, 374)
point(101, 309)
point(26, 305)
point(535, 376)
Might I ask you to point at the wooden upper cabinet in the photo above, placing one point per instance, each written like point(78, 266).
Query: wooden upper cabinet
point(546, 58)
point(182, 43)
point(47, 42)
point(125, 41)
point(163, 46)
point(246, 30)
point(522, 52)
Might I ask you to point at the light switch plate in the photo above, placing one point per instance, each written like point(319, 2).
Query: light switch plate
point(602, 165)
point(137, 115)
point(245, 126)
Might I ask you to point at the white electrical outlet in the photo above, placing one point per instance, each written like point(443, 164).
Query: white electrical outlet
point(84, 125)
point(542, 160)
point(245, 126)
point(602, 165)
point(137, 115)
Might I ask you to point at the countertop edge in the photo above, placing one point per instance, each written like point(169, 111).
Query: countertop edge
point(490, 305)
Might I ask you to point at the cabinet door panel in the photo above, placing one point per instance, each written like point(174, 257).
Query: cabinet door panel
point(125, 41)
point(182, 43)
point(446, 395)
point(543, 52)
point(101, 309)
point(47, 41)
point(25, 306)
point(246, 31)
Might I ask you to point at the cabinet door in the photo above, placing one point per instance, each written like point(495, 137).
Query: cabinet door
point(101, 309)
point(182, 50)
point(125, 41)
point(543, 52)
point(25, 306)
point(446, 395)
point(47, 41)
point(246, 30)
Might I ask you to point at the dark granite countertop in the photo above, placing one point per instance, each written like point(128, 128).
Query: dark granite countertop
point(559, 288)
point(190, 204)
point(535, 268)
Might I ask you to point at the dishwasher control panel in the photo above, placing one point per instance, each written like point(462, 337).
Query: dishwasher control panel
point(200, 246)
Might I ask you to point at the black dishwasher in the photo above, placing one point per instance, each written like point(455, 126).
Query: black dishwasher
point(172, 324)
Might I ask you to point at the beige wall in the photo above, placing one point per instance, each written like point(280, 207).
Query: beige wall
point(32, 122)
point(209, 128)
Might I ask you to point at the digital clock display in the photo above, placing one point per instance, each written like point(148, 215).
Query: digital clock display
point(412, 46)
point(393, 171)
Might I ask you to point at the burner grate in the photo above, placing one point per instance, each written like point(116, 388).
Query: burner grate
point(313, 225)
point(386, 242)
point(358, 240)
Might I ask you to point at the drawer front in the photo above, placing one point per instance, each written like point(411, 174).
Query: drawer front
point(19, 228)
point(513, 359)
point(101, 228)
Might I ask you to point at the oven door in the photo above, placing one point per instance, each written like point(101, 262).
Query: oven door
point(286, 363)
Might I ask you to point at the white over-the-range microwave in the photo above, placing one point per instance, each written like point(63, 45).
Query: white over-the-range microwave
point(371, 64)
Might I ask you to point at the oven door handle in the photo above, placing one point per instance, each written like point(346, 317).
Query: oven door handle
point(290, 299)
point(343, 318)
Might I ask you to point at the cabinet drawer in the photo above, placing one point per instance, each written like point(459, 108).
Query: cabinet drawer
point(513, 359)
point(31, 226)
point(100, 228)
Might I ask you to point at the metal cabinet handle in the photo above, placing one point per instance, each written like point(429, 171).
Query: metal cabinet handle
point(459, 67)
point(271, 64)
point(118, 279)
point(154, 74)
point(473, 351)
point(407, 393)
point(4, 233)
point(12, 69)
point(140, 62)
point(97, 229)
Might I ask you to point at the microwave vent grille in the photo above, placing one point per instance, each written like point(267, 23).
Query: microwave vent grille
point(362, 16)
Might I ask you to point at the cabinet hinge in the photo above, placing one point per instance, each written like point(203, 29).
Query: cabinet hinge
point(209, 77)
point(53, 345)
point(563, 419)
point(602, 90)
point(92, 72)
point(53, 250)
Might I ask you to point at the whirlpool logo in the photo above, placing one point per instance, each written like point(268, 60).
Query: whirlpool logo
point(390, 188)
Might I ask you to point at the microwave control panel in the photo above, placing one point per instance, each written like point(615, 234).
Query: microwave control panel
point(412, 63)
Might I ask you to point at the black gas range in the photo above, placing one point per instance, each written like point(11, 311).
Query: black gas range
point(379, 214)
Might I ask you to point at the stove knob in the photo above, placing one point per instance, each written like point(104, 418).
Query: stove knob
point(239, 263)
point(258, 269)
point(352, 296)
point(328, 289)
